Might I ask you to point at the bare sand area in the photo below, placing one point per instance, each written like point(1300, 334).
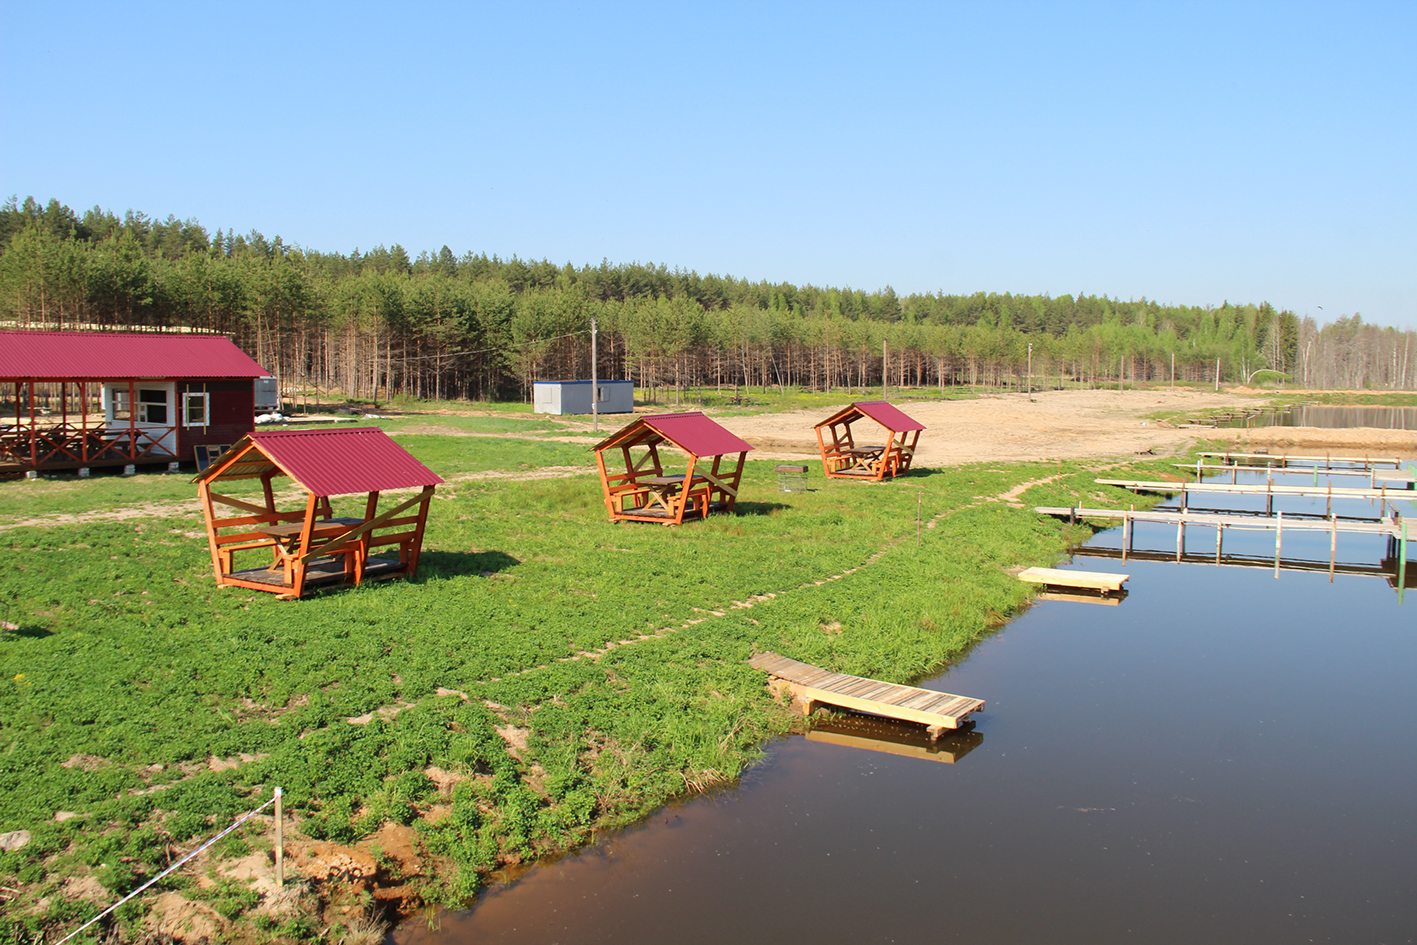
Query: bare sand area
point(1069, 425)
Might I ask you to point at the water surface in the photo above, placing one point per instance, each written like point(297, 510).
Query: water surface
point(1222, 758)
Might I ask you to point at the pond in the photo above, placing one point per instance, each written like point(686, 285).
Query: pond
point(1328, 418)
point(1222, 757)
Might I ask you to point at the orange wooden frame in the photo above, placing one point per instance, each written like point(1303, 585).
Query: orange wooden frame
point(323, 551)
point(842, 458)
point(644, 493)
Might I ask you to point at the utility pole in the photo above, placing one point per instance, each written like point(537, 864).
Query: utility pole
point(594, 383)
point(1217, 374)
point(1173, 369)
point(885, 367)
point(1030, 369)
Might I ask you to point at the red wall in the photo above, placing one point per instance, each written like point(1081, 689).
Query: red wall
point(233, 414)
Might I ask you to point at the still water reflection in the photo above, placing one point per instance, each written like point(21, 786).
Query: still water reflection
point(1330, 418)
point(1223, 758)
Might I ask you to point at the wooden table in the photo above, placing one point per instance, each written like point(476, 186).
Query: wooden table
point(287, 537)
point(661, 489)
point(862, 457)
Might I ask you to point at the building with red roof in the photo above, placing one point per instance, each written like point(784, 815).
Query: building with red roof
point(846, 458)
point(161, 395)
point(312, 547)
point(633, 477)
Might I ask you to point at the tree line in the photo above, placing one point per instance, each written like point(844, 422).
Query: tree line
point(376, 324)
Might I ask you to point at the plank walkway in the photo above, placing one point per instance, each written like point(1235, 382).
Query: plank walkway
point(937, 711)
point(1323, 462)
point(1394, 478)
point(1265, 488)
point(1392, 527)
point(1057, 577)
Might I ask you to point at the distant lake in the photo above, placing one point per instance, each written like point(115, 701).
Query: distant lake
point(1332, 418)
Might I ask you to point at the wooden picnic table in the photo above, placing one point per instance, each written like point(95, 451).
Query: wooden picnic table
point(663, 488)
point(287, 539)
point(862, 457)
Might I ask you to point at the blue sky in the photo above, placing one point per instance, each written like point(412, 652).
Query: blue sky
point(1188, 152)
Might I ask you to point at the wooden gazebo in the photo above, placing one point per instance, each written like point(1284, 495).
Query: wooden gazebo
point(635, 483)
point(846, 458)
point(311, 547)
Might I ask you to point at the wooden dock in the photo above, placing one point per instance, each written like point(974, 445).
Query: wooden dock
point(1392, 478)
point(1256, 488)
point(1322, 462)
point(937, 711)
point(1395, 529)
point(1092, 580)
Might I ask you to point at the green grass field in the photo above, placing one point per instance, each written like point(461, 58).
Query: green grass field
point(616, 654)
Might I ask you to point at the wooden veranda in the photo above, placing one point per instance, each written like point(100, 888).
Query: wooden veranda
point(93, 399)
point(310, 546)
point(638, 489)
point(846, 457)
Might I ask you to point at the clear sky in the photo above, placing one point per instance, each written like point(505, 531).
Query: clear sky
point(1186, 152)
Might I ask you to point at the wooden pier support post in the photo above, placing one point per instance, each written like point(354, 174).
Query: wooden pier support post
point(1278, 541)
point(1219, 540)
point(1126, 534)
point(1332, 545)
point(1180, 538)
point(1402, 562)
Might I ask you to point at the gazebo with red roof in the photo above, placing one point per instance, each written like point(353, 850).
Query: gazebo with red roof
point(844, 458)
point(639, 490)
point(163, 394)
point(310, 547)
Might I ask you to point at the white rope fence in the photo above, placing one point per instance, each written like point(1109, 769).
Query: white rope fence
point(274, 799)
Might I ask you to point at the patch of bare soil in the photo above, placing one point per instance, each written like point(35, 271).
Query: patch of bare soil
point(1061, 425)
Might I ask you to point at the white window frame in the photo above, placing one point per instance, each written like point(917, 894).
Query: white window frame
point(188, 398)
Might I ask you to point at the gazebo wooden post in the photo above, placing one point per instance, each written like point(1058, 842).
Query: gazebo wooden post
point(605, 483)
point(417, 547)
point(685, 491)
point(371, 508)
point(204, 495)
point(297, 577)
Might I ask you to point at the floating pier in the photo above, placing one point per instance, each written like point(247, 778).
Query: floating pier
point(1395, 529)
point(1321, 462)
point(1392, 478)
point(1091, 580)
point(937, 711)
point(1267, 489)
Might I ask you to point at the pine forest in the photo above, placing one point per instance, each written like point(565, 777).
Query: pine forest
point(381, 324)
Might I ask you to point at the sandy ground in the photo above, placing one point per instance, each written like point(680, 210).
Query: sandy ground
point(1068, 425)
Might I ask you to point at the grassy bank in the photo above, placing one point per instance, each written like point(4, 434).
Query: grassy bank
point(547, 674)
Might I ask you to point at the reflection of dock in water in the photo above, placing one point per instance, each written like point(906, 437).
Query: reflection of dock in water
point(894, 738)
point(1087, 587)
point(1387, 568)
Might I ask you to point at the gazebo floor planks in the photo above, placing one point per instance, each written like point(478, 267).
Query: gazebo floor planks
point(938, 711)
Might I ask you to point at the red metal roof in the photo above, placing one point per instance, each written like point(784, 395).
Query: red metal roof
point(697, 434)
point(693, 433)
point(883, 413)
point(83, 355)
point(341, 461)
